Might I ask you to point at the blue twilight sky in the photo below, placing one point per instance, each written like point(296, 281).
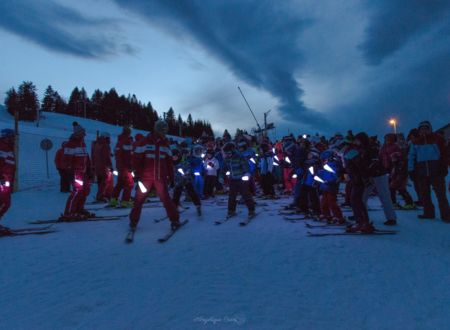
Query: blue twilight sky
point(319, 65)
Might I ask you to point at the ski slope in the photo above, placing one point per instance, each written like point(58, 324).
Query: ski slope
point(267, 275)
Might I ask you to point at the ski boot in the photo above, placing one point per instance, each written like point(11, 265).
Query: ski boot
point(408, 207)
point(4, 231)
point(113, 202)
point(174, 225)
point(199, 210)
point(251, 214)
point(125, 205)
point(365, 228)
point(390, 222)
point(86, 214)
point(231, 214)
point(70, 217)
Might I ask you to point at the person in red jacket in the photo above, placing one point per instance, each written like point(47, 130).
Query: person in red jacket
point(78, 162)
point(123, 153)
point(102, 165)
point(7, 169)
point(394, 162)
point(64, 173)
point(152, 164)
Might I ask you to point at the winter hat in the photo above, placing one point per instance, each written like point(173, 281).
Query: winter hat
point(363, 138)
point(425, 123)
point(78, 131)
point(390, 137)
point(161, 127)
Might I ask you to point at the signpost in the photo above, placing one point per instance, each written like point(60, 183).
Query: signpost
point(46, 145)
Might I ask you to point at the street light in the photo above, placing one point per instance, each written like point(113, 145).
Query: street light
point(393, 122)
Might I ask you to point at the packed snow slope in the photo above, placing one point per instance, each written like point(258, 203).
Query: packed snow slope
point(267, 275)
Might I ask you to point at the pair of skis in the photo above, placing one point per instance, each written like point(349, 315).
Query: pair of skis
point(10, 232)
point(96, 218)
point(329, 230)
point(242, 223)
point(130, 235)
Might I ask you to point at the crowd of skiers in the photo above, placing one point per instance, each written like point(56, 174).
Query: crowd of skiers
point(308, 168)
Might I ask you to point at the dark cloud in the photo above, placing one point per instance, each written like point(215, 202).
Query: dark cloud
point(420, 92)
point(393, 23)
point(257, 39)
point(60, 28)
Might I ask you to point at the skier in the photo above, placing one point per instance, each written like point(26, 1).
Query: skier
point(238, 173)
point(357, 165)
point(7, 170)
point(184, 177)
point(379, 180)
point(78, 162)
point(428, 162)
point(197, 168)
point(265, 170)
point(329, 186)
point(102, 164)
point(211, 166)
point(153, 167)
point(249, 154)
point(64, 173)
point(393, 160)
point(123, 154)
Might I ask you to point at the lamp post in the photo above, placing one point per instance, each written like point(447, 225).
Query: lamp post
point(393, 122)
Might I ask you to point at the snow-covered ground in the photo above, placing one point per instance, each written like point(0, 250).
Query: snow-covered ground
point(268, 275)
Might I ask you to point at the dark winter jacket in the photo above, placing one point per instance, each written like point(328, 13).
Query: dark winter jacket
point(357, 165)
point(330, 175)
point(237, 165)
point(101, 155)
point(428, 156)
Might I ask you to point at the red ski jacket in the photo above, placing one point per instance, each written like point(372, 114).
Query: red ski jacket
point(152, 159)
point(124, 152)
point(101, 155)
point(59, 158)
point(7, 161)
point(75, 156)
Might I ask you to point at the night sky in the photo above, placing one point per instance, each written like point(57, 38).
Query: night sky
point(321, 66)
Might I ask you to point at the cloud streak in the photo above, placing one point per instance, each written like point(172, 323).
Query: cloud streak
point(393, 23)
point(258, 40)
point(61, 29)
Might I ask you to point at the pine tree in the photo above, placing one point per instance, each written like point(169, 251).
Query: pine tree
point(28, 101)
point(48, 102)
point(226, 135)
point(96, 104)
point(60, 104)
point(12, 101)
point(72, 106)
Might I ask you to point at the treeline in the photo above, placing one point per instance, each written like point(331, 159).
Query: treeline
point(105, 106)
